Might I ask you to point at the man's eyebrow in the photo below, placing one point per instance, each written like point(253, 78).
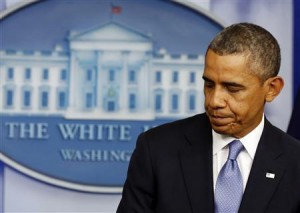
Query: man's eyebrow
point(232, 84)
point(225, 83)
point(206, 79)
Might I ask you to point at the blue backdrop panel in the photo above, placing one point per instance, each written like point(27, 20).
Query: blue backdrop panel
point(1, 187)
point(294, 125)
point(296, 46)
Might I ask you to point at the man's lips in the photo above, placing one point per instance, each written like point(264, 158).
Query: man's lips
point(218, 116)
point(220, 120)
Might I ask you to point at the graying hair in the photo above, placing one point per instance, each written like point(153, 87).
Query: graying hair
point(256, 43)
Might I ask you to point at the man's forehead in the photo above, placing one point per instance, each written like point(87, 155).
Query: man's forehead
point(223, 52)
point(224, 63)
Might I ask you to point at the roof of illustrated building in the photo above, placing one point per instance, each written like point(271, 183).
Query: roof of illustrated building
point(108, 32)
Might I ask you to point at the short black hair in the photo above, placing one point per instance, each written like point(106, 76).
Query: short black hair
point(253, 41)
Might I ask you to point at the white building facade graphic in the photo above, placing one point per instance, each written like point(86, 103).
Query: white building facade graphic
point(111, 72)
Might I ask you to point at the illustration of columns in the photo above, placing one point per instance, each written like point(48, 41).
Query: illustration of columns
point(144, 84)
point(183, 100)
point(73, 84)
point(149, 82)
point(99, 82)
point(124, 82)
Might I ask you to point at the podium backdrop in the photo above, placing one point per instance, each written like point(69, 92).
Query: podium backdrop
point(79, 80)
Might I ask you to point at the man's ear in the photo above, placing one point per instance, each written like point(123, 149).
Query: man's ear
point(273, 87)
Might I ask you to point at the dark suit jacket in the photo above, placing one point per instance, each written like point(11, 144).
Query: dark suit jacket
point(171, 171)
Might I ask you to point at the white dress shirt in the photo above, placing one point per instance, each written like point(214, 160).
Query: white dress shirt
point(244, 159)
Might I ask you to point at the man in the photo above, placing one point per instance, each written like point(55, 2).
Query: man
point(230, 159)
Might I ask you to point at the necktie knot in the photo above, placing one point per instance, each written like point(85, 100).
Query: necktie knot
point(235, 147)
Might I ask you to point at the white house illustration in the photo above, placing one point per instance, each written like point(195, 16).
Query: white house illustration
point(110, 72)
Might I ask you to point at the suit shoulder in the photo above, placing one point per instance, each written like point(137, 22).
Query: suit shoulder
point(174, 132)
point(288, 138)
point(293, 146)
point(179, 126)
point(290, 144)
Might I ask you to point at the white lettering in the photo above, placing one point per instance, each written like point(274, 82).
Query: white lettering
point(86, 132)
point(68, 131)
point(95, 155)
point(27, 130)
point(93, 132)
point(11, 129)
point(125, 132)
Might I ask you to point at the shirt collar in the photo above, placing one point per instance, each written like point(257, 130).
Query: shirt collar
point(250, 141)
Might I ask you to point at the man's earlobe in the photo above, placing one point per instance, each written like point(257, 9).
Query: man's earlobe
point(274, 86)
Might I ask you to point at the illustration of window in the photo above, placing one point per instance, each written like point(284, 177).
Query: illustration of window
point(63, 75)
point(158, 77)
point(88, 100)
point(111, 100)
point(158, 100)
point(192, 77)
point(111, 75)
point(132, 101)
point(89, 75)
point(44, 99)
point(111, 106)
point(192, 102)
point(10, 73)
point(26, 98)
point(175, 77)
point(174, 102)
point(132, 76)
point(9, 101)
point(27, 74)
point(62, 99)
point(45, 74)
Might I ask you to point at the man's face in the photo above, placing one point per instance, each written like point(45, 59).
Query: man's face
point(234, 98)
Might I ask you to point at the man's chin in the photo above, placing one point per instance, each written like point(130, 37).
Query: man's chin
point(223, 129)
point(222, 132)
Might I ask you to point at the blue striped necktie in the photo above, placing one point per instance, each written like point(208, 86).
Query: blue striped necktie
point(229, 186)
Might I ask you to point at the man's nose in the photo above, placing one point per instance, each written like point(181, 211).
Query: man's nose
point(217, 99)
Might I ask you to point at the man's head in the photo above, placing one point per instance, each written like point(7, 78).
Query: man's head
point(257, 44)
point(241, 67)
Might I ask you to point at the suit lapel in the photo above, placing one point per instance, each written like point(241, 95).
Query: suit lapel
point(268, 159)
point(196, 163)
